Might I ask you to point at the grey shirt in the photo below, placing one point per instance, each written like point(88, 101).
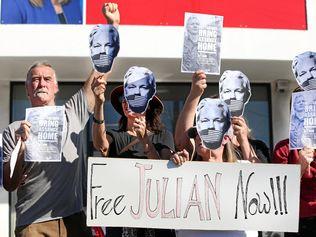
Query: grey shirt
point(55, 189)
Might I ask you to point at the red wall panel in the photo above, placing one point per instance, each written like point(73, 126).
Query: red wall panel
point(274, 14)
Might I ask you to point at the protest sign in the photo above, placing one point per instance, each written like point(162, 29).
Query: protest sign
point(303, 120)
point(202, 40)
point(196, 195)
point(45, 140)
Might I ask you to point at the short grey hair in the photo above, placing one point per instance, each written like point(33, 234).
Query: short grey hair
point(39, 64)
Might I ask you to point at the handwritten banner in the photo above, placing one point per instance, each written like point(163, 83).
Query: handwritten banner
point(196, 195)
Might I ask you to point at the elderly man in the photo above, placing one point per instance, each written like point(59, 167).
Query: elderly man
point(234, 89)
point(304, 69)
point(50, 195)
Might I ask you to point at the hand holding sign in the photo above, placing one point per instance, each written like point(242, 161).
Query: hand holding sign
point(198, 83)
point(240, 128)
point(306, 157)
point(98, 87)
point(180, 157)
point(24, 131)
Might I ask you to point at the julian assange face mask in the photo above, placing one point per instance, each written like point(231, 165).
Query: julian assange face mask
point(304, 70)
point(212, 122)
point(104, 47)
point(139, 88)
point(234, 89)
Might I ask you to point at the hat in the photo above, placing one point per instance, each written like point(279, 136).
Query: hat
point(117, 95)
point(192, 132)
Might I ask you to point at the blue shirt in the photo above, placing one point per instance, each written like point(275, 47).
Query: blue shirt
point(22, 12)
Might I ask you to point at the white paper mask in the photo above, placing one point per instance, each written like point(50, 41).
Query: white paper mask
point(139, 88)
point(234, 89)
point(212, 122)
point(304, 69)
point(104, 46)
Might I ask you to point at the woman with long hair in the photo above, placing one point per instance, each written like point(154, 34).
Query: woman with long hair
point(140, 135)
point(197, 142)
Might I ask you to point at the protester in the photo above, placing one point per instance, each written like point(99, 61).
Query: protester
point(234, 89)
point(140, 136)
point(41, 12)
point(245, 147)
point(306, 159)
point(49, 194)
point(214, 116)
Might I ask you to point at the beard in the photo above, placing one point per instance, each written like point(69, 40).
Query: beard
point(40, 92)
point(212, 139)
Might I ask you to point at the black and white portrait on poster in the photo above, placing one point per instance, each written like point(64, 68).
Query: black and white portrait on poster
point(212, 122)
point(304, 69)
point(303, 120)
point(46, 136)
point(234, 89)
point(139, 88)
point(202, 42)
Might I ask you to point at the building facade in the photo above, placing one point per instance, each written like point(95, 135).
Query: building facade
point(256, 40)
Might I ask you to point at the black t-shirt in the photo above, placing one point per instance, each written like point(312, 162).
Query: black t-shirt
point(260, 148)
point(121, 139)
